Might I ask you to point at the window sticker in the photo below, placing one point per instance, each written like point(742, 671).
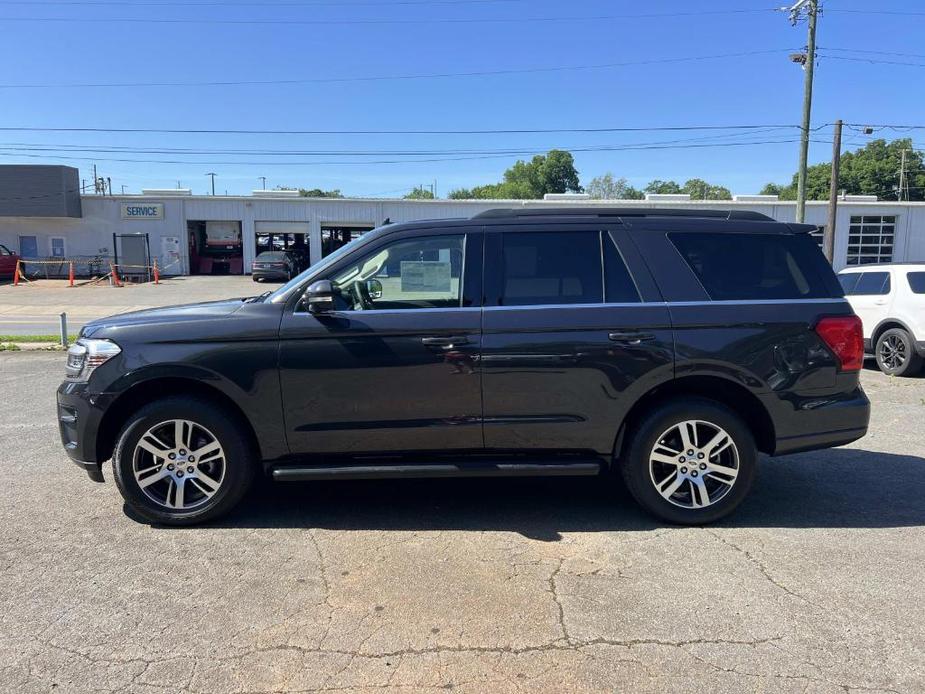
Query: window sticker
point(425, 276)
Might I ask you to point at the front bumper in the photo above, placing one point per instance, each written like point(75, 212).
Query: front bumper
point(811, 423)
point(80, 415)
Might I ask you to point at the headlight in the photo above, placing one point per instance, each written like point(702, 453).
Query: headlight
point(85, 355)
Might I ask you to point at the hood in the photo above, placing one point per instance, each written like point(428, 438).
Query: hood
point(208, 310)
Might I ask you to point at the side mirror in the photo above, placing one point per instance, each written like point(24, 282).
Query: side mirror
point(319, 297)
point(374, 288)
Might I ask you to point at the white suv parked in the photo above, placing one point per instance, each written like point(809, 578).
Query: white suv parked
point(890, 300)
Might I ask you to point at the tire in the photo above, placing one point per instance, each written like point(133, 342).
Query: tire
point(686, 505)
point(211, 486)
point(896, 355)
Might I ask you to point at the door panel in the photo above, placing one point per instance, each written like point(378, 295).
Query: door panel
point(389, 379)
point(563, 376)
point(554, 379)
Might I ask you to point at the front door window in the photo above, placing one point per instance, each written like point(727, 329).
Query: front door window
point(413, 273)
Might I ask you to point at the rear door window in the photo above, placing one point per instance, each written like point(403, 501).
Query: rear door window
point(917, 282)
point(551, 268)
point(733, 266)
point(872, 284)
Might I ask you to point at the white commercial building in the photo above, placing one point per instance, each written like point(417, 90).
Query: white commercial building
point(190, 234)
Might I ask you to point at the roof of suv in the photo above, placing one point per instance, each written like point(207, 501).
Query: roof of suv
point(617, 215)
point(743, 215)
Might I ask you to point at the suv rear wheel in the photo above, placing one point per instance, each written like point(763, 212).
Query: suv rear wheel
point(896, 355)
point(690, 462)
point(181, 461)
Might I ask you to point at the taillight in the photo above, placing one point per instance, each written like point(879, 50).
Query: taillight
point(845, 337)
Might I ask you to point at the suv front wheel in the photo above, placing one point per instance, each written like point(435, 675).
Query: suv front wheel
point(690, 461)
point(181, 461)
point(896, 355)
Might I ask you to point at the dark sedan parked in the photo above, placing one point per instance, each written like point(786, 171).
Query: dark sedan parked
point(275, 265)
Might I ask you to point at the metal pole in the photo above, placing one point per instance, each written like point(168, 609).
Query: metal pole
point(263, 182)
point(63, 317)
point(213, 175)
point(828, 237)
point(807, 109)
point(902, 175)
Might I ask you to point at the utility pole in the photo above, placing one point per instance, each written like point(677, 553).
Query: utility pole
point(213, 175)
point(263, 182)
point(903, 180)
point(808, 61)
point(828, 236)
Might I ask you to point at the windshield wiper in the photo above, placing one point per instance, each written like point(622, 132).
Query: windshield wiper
point(257, 299)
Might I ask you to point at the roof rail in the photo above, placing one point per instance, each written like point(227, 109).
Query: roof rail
point(740, 215)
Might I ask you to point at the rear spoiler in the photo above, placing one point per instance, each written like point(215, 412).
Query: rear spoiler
point(805, 228)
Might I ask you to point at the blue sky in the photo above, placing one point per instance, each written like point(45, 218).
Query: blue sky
point(312, 39)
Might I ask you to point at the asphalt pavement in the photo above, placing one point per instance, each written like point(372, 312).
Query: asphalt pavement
point(814, 585)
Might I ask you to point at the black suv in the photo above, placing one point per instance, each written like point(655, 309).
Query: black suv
point(670, 345)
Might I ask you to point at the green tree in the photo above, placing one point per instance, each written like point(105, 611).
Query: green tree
point(318, 193)
point(553, 172)
point(699, 189)
point(420, 193)
point(871, 170)
point(660, 187)
point(607, 187)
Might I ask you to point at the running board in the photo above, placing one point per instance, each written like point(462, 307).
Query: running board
point(410, 471)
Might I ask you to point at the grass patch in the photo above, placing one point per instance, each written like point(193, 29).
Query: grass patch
point(6, 347)
point(30, 338)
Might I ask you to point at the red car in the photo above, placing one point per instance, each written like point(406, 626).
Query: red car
point(7, 261)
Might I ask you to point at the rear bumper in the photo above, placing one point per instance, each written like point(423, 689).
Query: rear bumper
point(79, 417)
point(270, 274)
point(822, 422)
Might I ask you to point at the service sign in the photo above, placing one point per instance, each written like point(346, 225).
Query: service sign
point(142, 210)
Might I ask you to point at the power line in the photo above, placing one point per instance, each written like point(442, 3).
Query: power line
point(378, 78)
point(125, 149)
point(875, 61)
point(418, 20)
point(519, 131)
point(398, 161)
point(898, 13)
point(864, 50)
point(265, 3)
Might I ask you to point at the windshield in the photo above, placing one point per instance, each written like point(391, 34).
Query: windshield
point(283, 292)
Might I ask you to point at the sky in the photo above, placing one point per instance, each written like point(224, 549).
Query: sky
point(336, 67)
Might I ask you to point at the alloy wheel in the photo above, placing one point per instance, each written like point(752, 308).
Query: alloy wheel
point(694, 464)
point(179, 464)
point(893, 352)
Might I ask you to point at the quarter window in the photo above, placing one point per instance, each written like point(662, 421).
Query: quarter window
point(734, 266)
point(4, 251)
point(870, 239)
point(917, 282)
point(414, 273)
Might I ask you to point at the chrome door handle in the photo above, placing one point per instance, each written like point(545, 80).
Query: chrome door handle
point(631, 338)
point(445, 341)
